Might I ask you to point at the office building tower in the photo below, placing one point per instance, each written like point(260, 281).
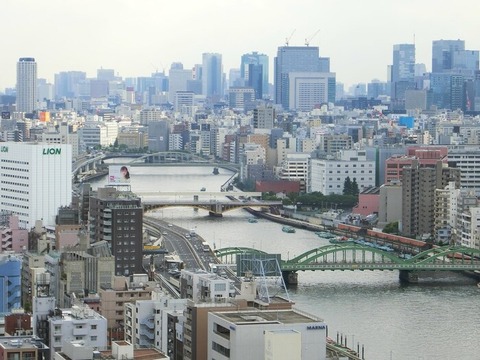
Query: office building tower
point(67, 82)
point(26, 85)
point(106, 74)
point(255, 81)
point(403, 70)
point(212, 76)
point(178, 80)
point(307, 90)
point(255, 58)
point(36, 180)
point(292, 59)
point(116, 217)
point(443, 54)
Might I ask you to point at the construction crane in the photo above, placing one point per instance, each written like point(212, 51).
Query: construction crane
point(307, 40)
point(287, 40)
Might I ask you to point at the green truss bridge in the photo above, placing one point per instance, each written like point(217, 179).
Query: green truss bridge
point(359, 257)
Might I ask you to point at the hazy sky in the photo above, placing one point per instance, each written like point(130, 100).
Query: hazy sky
point(136, 37)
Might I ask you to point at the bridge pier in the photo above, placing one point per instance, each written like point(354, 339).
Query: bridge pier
point(409, 276)
point(290, 277)
point(214, 214)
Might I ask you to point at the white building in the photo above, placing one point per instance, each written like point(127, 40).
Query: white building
point(62, 136)
point(469, 225)
point(466, 159)
point(296, 168)
point(36, 180)
point(147, 321)
point(328, 175)
point(308, 89)
point(26, 85)
point(267, 334)
point(78, 323)
point(446, 212)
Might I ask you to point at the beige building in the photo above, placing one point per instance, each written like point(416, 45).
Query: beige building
point(388, 209)
point(418, 195)
point(113, 303)
point(133, 139)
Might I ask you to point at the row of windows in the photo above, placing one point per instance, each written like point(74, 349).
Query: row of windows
point(124, 266)
point(14, 198)
point(15, 162)
point(126, 228)
point(15, 191)
point(353, 172)
point(16, 206)
point(58, 339)
point(15, 176)
point(361, 179)
point(14, 169)
point(353, 165)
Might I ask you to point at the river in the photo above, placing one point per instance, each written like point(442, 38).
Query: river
point(435, 319)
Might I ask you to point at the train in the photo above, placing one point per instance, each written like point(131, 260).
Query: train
point(361, 231)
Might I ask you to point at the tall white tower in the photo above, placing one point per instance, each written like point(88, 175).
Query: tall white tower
point(26, 84)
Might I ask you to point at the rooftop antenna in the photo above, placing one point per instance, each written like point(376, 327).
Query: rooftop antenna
point(307, 40)
point(287, 40)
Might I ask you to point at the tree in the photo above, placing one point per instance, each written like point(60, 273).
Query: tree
point(347, 186)
point(354, 188)
point(391, 228)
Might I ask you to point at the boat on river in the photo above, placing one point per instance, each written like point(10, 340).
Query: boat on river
point(342, 240)
point(252, 220)
point(325, 235)
point(288, 229)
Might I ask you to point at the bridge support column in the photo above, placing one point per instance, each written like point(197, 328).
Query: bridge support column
point(290, 277)
point(408, 276)
point(214, 214)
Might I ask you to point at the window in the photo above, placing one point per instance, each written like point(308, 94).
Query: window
point(93, 338)
point(93, 327)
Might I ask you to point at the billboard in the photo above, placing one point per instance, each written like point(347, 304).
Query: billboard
point(118, 174)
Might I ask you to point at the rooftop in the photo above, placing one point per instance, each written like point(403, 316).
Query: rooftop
point(292, 316)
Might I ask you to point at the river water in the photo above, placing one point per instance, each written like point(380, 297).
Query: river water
point(438, 318)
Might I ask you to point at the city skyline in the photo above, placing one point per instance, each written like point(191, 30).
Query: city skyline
point(138, 38)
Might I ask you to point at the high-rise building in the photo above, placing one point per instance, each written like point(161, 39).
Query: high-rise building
point(36, 180)
point(212, 76)
point(26, 84)
point(418, 195)
point(255, 58)
point(308, 90)
point(124, 210)
point(178, 78)
point(403, 70)
point(293, 59)
point(443, 54)
point(67, 82)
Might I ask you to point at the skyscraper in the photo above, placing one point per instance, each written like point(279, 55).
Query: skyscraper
point(26, 84)
point(403, 70)
point(212, 76)
point(256, 59)
point(293, 59)
point(443, 53)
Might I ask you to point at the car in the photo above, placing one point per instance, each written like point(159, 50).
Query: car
point(164, 233)
point(170, 225)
